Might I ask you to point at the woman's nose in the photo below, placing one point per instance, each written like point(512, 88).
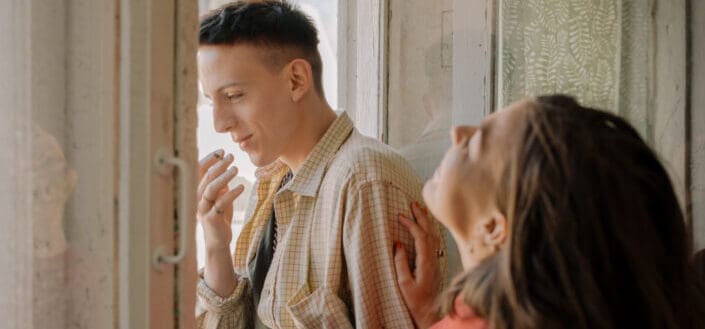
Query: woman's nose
point(460, 134)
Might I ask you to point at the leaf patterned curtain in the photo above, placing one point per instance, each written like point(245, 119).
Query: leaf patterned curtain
point(595, 50)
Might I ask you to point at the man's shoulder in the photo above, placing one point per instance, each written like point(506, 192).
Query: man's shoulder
point(366, 159)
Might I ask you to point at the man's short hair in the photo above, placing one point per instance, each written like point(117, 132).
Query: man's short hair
point(283, 31)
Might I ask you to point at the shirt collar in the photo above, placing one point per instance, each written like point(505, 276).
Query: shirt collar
point(308, 179)
point(275, 168)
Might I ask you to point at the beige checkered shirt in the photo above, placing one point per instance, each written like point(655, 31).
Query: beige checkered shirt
point(337, 224)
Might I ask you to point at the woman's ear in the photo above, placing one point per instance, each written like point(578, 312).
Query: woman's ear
point(495, 230)
point(300, 78)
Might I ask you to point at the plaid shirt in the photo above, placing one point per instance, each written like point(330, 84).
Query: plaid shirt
point(336, 226)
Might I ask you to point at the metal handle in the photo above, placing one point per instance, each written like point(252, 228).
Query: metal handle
point(165, 161)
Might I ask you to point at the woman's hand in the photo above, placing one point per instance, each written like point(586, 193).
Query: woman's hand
point(420, 288)
point(215, 199)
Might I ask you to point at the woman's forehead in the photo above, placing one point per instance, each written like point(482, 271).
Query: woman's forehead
point(507, 123)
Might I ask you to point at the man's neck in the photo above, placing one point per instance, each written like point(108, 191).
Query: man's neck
point(316, 121)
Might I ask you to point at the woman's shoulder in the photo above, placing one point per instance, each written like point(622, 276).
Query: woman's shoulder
point(464, 317)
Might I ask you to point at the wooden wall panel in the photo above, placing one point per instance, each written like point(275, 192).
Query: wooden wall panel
point(667, 111)
point(16, 254)
point(90, 150)
point(186, 121)
point(362, 63)
point(697, 119)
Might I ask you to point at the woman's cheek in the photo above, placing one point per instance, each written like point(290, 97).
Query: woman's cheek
point(430, 196)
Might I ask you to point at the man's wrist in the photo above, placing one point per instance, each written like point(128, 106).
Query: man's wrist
point(217, 254)
point(218, 273)
point(217, 250)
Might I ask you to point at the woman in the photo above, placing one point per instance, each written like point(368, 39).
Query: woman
point(564, 219)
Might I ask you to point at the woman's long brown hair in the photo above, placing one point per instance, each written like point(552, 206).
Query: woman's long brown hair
point(597, 238)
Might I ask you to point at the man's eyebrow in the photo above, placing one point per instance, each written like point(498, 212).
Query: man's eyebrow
point(229, 84)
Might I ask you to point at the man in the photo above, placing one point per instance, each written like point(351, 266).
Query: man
point(317, 249)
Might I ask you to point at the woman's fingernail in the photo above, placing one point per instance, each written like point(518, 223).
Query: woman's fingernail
point(397, 245)
point(402, 216)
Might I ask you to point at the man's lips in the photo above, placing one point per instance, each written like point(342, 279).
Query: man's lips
point(240, 140)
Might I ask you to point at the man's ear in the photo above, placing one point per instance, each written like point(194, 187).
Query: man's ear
point(300, 78)
point(494, 230)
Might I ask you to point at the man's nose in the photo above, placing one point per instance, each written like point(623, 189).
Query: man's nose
point(459, 134)
point(223, 119)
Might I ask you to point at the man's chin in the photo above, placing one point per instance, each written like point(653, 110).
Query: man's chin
point(260, 161)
